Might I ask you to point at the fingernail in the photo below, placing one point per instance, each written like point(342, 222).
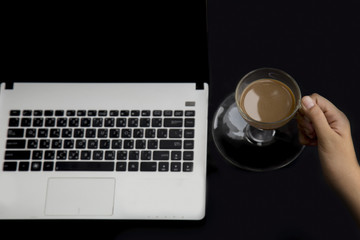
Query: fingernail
point(307, 102)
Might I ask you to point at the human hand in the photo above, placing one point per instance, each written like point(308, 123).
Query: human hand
point(321, 124)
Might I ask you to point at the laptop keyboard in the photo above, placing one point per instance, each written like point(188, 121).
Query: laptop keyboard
point(100, 140)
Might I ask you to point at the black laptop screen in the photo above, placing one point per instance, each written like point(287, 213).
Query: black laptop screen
point(121, 43)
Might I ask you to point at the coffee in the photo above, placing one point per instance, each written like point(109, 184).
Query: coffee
point(267, 100)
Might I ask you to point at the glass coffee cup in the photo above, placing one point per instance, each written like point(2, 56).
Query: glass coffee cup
point(254, 128)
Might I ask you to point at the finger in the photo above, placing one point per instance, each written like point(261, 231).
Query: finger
point(316, 114)
point(305, 125)
point(305, 140)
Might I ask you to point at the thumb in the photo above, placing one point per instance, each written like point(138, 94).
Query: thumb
point(313, 112)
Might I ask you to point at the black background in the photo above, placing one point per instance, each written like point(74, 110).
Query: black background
point(315, 42)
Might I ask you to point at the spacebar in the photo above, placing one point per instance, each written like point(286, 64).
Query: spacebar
point(84, 166)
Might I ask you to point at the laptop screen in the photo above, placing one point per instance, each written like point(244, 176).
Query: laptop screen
point(144, 42)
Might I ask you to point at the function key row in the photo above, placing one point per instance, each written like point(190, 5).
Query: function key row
point(103, 113)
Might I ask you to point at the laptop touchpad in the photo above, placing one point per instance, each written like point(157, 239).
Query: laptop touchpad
point(80, 197)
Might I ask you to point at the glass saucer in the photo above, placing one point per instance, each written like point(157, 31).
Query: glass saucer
point(228, 131)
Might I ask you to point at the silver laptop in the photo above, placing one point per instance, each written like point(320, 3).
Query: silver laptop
point(78, 149)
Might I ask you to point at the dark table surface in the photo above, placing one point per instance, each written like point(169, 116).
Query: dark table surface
point(319, 45)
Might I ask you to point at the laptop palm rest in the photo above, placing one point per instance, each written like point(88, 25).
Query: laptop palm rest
point(80, 197)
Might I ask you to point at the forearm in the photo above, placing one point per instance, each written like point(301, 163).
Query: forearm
point(346, 181)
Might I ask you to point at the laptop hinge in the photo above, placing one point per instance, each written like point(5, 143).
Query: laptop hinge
point(199, 86)
point(9, 85)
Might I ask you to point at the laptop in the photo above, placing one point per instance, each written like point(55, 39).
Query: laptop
point(103, 129)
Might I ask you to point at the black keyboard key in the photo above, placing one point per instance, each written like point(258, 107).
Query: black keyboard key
point(152, 144)
point(73, 122)
point(26, 122)
point(156, 122)
point(189, 144)
point(61, 155)
point(138, 133)
point(84, 166)
point(92, 113)
point(81, 113)
point(190, 113)
point(134, 155)
point(163, 167)
point(175, 133)
point(61, 122)
point(114, 113)
point(188, 155)
point(116, 144)
point(78, 133)
point(114, 133)
point(176, 155)
point(85, 155)
point(105, 144)
point(145, 155)
point(133, 122)
point(38, 122)
point(97, 122)
point(170, 144)
point(49, 122)
point(176, 167)
point(10, 166)
point(49, 155)
point(15, 133)
point(145, 122)
point(59, 113)
point(109, 122)
point(150, 133)
point(10, 144)
point(102, 133)
point(30, 133)
point(189, 133)
point(124, 113)
point(85, 122)
point(121, 122)
point(121, 155)
point(27, 113)
point(168, 113)
point(49, 113)
point(98, 155)
point(48, 166)
point(35, 166)
point(148, 166)
point(121, 166)
point(188, 167)
point(173, 122)
point(38, 112)
point(17, 155)
point(145, 113)
point(73, 155)
point(14, 122)
point(161, 155)
point(15, 113)
point(157, 113)
point(190, 122)
point(135, 113)
point(140, 144)
point(70, 113)
point(133, 166)
point(24, 166)
point(178, 113)
point(126, 133)
point(102, 113)
point(162, 133)
point(43, 132)
point(109, 155)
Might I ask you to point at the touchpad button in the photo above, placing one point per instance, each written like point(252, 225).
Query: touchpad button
point(80, 197)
